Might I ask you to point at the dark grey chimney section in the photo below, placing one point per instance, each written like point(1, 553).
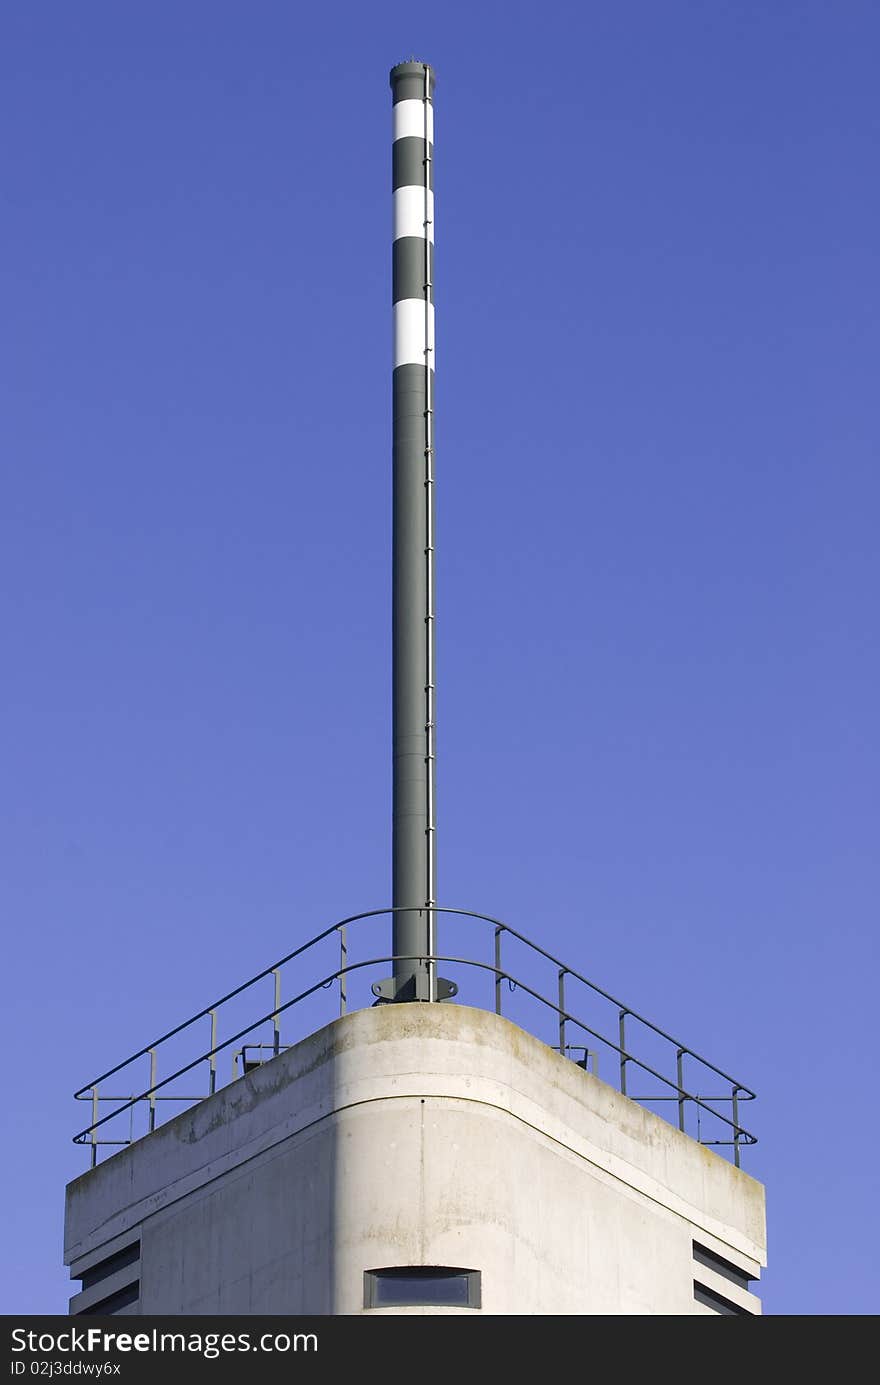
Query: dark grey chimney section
point(414, 850)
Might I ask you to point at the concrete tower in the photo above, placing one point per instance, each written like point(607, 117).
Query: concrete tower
point(406, 1156)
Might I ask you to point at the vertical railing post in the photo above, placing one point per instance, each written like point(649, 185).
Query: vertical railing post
point(212, 1061)
point(621, 1030)
point(679, 1076)
point(93, 1132)
point(562, 1011)
point(276, 1018)
point(735, 1102)
point(343, 979)
point(430, 963)
point(152, 1095)
point(498, 932)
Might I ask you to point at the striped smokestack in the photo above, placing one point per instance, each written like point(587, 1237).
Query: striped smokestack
point(414, 827)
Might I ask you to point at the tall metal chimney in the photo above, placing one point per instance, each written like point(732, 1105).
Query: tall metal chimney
point(414, 858)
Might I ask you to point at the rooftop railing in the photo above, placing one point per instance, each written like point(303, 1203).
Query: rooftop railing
point(485, 962)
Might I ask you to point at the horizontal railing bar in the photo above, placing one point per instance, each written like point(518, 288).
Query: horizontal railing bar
point(201, 1096)
point(80, 1138)
point(705, 1097)
point(743, 1138)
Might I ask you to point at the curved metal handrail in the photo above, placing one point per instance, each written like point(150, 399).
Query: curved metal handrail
point(744, 1136)
point(565, 1016)
point(378, 913)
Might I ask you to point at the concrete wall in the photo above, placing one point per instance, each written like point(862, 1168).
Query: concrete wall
point(418, 1134)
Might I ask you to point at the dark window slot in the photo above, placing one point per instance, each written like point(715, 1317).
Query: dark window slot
point(129, 1256)
point(717, 1302)
point(114, 1303)
point(707, 1257)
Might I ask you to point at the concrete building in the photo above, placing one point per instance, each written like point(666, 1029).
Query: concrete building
point(416, 1159)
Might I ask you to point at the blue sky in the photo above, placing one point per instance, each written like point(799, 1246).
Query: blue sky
point(657, 318)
